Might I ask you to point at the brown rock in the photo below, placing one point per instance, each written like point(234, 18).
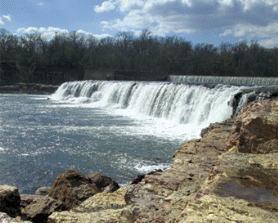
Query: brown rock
point(9, 200)
point(211, 179)
point(38, 208)
point(242, 185)
point(103, 207)
point(72, 188)
point(256, 128)
point(104, 183)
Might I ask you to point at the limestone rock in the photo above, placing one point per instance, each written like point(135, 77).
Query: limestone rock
point(72, 188)
point(161, 197)
point(111, 216)
point(4, 218)
point(218, 178)
point(9, 200)
point(104, 200)
point(38, 208)
point(103, 207)
point(256, 128)
point(211, 208)
point(242, 185)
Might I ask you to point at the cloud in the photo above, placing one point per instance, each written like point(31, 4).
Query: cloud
point(50, 32)
point(229, 17)
point(271, 42)
point(7, 17)
point(46, 33)
point(40, 4)
point(269, 33)
point(84, 33)
point(102, 36)
point(29, 30)
point(105, 6)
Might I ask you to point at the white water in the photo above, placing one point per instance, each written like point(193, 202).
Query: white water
point(164, 109)
point(224, 80)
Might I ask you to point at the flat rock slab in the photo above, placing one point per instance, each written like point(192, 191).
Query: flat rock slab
point(211, 208)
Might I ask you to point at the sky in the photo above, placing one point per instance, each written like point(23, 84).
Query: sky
point(198, 21)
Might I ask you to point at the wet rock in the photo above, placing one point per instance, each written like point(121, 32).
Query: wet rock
point(9, 200)
point(246, 96)
point(38, 208)
point(43, 191)
point(138, 179)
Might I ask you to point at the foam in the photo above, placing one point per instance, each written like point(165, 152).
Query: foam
point(148, 168)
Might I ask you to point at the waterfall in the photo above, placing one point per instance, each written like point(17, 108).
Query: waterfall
point(224, 80)
point(182, 104)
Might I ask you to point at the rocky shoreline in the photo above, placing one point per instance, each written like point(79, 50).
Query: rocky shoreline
point(228, 175)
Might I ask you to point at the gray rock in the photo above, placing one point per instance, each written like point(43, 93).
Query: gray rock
point(4, 218)
point(38, 208)
point(9, 200)
point(43, 191)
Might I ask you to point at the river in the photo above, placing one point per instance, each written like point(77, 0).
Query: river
point(119, 129)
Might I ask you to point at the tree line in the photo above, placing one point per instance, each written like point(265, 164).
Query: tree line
point(32, 54)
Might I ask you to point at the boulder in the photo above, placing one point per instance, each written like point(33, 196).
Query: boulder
point(9, 200)
point(103, 207)
point(72, 188)
point(43, 191)
point(38, 208)
point(104, 183)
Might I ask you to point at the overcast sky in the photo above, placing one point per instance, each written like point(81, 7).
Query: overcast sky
point(199, 21)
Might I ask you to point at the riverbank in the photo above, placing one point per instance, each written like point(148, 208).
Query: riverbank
point(228, 175)
point(29, 88)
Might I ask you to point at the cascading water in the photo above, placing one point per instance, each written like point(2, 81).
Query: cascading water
point(224, 80)
point(189, 107)
point(119, 129)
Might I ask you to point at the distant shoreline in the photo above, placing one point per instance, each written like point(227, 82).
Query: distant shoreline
point(29, 88)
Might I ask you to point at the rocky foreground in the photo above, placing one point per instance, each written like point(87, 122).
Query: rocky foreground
point(229, 175)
